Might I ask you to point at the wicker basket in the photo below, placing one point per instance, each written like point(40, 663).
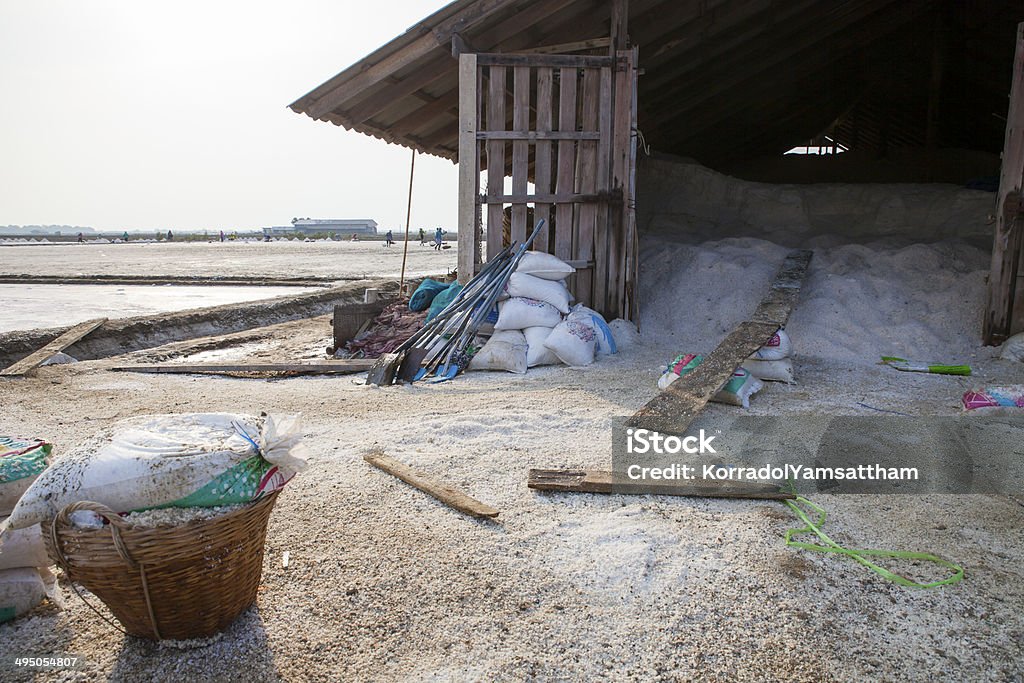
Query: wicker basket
point(173, 583)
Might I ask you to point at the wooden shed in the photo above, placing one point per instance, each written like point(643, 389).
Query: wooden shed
point(552, 97)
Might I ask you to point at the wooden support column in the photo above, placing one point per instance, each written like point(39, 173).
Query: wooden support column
point(1004, 309)
point(469, 168)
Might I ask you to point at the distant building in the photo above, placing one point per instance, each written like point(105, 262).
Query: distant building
point(334, 226)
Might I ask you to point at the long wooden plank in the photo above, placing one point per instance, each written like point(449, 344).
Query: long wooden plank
point(567, 197)
point(520, 148)
point(565, 182)
point(581, 284)
point(777, 304)
point(555, 61)
point(604, 212)
point(602, 481)
point(495, 156)
point(432, 487)
point(334, 367)
point(35, 359)
point(674, 409)
point(536, 136)
point(469, 169)
point(542, 155)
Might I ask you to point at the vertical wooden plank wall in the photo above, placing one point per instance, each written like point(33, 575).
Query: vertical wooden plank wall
point(565, 183)
point(586, 183)
point(631, 255)
point(542, 154)
point(495, 155)
point(520, 149)
point(570, 130)
point(469, 175)
point(1004, 310)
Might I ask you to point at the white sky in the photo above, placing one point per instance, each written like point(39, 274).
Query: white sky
point(133, 114)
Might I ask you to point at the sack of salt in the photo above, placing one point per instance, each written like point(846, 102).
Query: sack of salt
point(188, 460)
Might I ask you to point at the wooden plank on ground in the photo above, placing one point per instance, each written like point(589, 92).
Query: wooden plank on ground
point(602, 481)
point(334, 367)
point(676, 407)
point(37, 358)
point(432, 487)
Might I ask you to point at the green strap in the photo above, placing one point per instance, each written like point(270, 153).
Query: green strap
point(859, 554)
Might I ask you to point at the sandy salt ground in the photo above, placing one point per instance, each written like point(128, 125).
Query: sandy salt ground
point(350, 260)
point(384, 583)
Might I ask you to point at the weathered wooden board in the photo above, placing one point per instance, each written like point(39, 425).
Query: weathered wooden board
point(349, 319)
point(675, 408)
point(1005, 279)
point(776, 306)
point(35, 359)
point(602, 481)
point(334, 367)
point(432, 487)
point(469, 178)
point(542, 154)
point(495, 157)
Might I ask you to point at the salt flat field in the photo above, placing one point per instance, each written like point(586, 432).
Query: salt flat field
point(27, 307)
point(237, 259)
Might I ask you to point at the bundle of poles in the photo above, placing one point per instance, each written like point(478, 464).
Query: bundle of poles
point(441, 347)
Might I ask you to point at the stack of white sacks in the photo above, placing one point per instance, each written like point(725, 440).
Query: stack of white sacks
point(25, 577)
point(771, 363)
point(537, 325)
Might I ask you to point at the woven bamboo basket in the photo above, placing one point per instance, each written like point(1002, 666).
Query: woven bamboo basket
point(166, 583)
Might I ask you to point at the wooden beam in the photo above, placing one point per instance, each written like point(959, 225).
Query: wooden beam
point(602, 481)
point(334, 367)
point(37, 358)
point(469, 163)
point(1004, 280)
point(558, 197)
point(566, 48)
point(619, 25)
point(535, 136)
point(674, 409)
point(554, 61)
point(443, 492)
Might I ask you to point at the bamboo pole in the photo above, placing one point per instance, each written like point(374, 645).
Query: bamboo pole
point(408, 216)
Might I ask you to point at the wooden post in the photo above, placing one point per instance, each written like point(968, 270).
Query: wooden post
point(619, 26)
point(1004, 309)
point(469, 164)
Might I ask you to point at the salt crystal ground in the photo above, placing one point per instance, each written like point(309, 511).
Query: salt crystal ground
point(385, 583)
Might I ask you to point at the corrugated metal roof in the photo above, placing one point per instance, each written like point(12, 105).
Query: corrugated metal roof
point(723, 79)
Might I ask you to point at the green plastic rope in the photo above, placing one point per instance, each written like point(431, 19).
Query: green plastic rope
point(858, 554)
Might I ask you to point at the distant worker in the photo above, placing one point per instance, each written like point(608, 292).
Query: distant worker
point(125, 236)
point(388, 239)
point(221, 235)
point(81, 238)
point(438, 238)
point(423, 237)
point(170, 236)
